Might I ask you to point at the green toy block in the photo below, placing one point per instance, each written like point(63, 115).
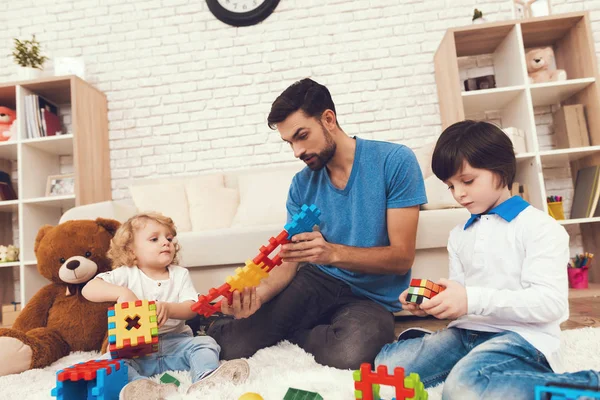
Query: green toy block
point(297, 394)
point(166, 378)
point(413, 381)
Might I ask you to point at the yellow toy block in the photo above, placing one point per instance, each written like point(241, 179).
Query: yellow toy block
point(248, 276)
point(132, 329)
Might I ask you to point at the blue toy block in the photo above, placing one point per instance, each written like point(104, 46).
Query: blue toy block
point(85, 381)
point(565, 393)
point(303, 221)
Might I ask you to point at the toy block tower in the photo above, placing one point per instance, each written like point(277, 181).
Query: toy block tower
point(421, 289)
point(132, 329)
point(92, 380)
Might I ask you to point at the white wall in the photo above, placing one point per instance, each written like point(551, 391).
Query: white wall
point(188, 93)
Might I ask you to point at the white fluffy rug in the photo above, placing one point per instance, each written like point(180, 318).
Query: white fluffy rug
point(275, 369)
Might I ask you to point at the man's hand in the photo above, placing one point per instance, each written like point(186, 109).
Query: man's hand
point(452, 303)
point(244, 307)
point(411, 307)
point(126, 295)
point(309, 247)
point(162, 312)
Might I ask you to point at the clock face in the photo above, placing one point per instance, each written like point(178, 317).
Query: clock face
point(242, 12)
point(240, 6)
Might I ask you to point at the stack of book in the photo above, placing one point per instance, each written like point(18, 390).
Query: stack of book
point(41, 117)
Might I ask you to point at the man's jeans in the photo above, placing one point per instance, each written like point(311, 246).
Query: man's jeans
point(478, 365)
point(176, 352)
point(319, 313)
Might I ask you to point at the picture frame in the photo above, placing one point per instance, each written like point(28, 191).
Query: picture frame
point(60, 185)
point(523, 9)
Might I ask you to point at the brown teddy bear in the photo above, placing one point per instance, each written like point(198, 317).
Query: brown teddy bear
point(540, 66)
point(58, 319)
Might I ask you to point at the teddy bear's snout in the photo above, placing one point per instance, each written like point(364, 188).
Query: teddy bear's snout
point(73, 264)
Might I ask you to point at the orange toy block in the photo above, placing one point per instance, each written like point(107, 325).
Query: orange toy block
point(132, 329)
point(366, 383)
point(421, 289)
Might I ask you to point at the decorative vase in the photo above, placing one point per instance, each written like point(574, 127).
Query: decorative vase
point(27, 73)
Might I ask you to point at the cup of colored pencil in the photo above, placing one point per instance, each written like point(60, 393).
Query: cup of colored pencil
point(578, 270)
point(555, 207)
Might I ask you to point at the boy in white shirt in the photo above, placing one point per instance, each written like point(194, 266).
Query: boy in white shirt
point(507, 289)
point(145, 247)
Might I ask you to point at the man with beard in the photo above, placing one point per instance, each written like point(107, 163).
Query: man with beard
point(338, 305)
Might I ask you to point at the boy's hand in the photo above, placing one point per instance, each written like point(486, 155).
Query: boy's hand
point(126, 295)
point(411, 307)
point(450, 304)
point(244, 307)
point(162, 312)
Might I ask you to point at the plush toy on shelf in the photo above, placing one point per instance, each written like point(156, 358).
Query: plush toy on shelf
point(7, 118)
point(9, 253)
point(541, 67)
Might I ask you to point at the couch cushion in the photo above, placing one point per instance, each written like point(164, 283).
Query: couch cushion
point(438, 195)
point(211, 208)
point(263, 195)
point(424, 154)
point(168, 199)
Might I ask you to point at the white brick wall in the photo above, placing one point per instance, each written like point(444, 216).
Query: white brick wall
point(188, 93)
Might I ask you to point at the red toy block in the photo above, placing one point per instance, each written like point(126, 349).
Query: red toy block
point(87, 371)
point(365, 379)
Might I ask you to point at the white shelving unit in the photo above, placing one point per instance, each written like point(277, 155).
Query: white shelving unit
point(36, 159)
point(514, 98)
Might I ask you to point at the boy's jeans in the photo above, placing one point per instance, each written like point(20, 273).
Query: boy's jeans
point(478, 365)
point(176, 352)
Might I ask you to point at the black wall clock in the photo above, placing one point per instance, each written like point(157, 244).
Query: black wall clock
point(242, 12)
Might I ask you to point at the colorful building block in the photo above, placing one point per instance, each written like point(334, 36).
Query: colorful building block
point(556, 391)
point(259, 267)
point(132, 329)
point(421, 289)
point(92, 380)
point(303, 221)
point(166, 378)
point(406, 388)
point(297, 394)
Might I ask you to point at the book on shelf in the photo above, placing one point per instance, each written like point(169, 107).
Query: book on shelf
point(587, 192)
point(41, 117)
point(6, 189)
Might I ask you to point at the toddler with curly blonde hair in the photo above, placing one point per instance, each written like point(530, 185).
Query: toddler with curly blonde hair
point(144, 252)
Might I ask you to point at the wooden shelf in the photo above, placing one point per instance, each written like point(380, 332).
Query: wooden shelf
point(489, 99)
point(61, 145)
point(564, 156)
point(9, 206)
point(545, 94)
point(10, 264)
point(8, 150)
point(578, 221)
point(53, 201)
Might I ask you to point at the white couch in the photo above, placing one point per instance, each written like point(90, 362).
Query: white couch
point(224, 217)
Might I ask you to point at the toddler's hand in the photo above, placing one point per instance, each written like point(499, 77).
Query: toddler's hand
point(411, 307)
point(452, 303)
point(162, 312)
point(126, 296)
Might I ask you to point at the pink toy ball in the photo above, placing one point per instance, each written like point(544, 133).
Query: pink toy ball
point(7, 117)
point(251, 396)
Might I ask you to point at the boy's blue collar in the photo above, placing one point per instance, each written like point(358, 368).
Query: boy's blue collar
point(508, 210)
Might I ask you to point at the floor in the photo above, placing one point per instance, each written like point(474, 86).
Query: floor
point(584, 307)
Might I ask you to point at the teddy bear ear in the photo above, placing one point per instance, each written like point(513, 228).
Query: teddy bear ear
point(41, 233)
point(109, 224)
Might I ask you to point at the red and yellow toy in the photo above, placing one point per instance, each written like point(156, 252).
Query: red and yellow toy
point(132, 329)
point(259, 267)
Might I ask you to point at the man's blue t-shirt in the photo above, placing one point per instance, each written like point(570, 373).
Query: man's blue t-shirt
point(384, 175)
